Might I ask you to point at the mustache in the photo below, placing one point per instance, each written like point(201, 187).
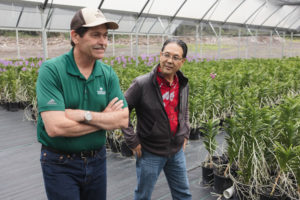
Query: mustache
point(100, 47)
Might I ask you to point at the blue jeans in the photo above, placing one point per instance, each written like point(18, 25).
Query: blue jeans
point(70, 177)
point(148, 168)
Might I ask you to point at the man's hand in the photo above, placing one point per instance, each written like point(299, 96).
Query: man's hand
point(114, 105)
point(75, 115)
point(137, 151)
point(184, 143)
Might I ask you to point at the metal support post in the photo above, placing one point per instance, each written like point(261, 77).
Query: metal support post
point(201, 40)
point(196, 39)
point(291, 45)
point(148, 44)
point(136, 49)
point(283, 45)
point(247, 45)
point(219, 42)
point(131, 45)
point(255, 46)
point(239, 44)
point(271, 40)
point(113, 41)
point(18, 47)
point(44, 37)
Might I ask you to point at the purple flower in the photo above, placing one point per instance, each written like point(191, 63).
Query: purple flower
point(213, 75)
point(40, 63)
point(24, 69)
point(124, 65)
point(112, 62)
point(32, 64)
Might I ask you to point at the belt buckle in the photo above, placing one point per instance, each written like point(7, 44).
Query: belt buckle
point(83, 154)
point(86, 154)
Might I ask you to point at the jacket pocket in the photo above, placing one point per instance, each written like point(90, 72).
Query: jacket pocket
point(183, 128)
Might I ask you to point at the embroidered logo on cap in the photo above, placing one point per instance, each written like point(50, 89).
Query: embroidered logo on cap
point(98, 14)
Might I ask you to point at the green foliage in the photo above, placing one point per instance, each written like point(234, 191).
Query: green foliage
point(257, 98)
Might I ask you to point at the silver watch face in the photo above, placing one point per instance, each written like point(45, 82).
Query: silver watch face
point(88, 116)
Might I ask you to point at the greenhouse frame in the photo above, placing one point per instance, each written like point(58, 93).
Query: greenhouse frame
point(235, 86)
point(243, 19)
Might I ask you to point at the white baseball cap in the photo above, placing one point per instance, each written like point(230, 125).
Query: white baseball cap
point(90, 17)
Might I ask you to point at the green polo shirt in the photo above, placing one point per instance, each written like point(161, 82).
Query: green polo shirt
point(60, 85)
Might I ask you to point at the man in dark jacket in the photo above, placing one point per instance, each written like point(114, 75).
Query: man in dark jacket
point(160, 99)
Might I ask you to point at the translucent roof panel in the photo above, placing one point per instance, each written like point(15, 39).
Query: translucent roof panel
point(163, 7)
point(283, 12)
point(266, 13)
point(121, 5)
point(195, 10)
point(222, 10)
point(31, 18)
point(247, 11)
point(160, 26)
point(60, 19)
point(126, 24)
point(9, 10)
point(156, 14)
point(73, 3)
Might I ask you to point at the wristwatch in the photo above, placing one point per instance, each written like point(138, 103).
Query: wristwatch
point(88, 116)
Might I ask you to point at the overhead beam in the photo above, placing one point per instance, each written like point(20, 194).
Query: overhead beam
point(152, 25)
point(49, 17)
point(100, 5)
point(173, 17)
point(213, 5)
point(43, 7)
point(270, 16)
point(260, 7)
point(139, 15)
point(141, 12)
point(294, 22)
point(233, 12)
point(286, 16)
point(19, 18)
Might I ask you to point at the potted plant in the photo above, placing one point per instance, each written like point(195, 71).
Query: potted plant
point(210, 144)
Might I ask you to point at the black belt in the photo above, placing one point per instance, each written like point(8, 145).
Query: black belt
point(82, 154)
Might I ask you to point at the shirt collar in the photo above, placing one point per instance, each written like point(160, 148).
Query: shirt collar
point(164, 81)
point(73, 69)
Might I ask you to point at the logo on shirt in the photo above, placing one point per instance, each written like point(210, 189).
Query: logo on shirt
point(101, 91)
point(51, 102)
point(167, 96)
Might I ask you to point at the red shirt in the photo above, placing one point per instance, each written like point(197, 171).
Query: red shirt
point(170, 96)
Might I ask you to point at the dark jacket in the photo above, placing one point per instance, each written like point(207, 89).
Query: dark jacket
point(153, 128)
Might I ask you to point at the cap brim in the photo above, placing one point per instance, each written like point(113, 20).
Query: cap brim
point(110, 25)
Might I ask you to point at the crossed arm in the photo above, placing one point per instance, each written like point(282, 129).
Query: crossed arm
point(70, 123)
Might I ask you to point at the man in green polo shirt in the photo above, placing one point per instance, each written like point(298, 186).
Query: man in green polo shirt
point(79, 98)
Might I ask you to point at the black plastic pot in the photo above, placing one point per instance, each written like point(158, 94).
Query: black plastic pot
point(207, 175)
point(194, 134)
point(273, 197)
point(125, 150)
point(12, 106)
point(114, 146)
point(221, 183)
point(264, 194)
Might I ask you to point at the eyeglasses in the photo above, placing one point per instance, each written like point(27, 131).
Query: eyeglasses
point(174, 58)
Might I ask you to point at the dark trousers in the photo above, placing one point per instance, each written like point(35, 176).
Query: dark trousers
point(73, 177)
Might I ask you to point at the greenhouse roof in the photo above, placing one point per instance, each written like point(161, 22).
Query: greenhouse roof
point(152, 16)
